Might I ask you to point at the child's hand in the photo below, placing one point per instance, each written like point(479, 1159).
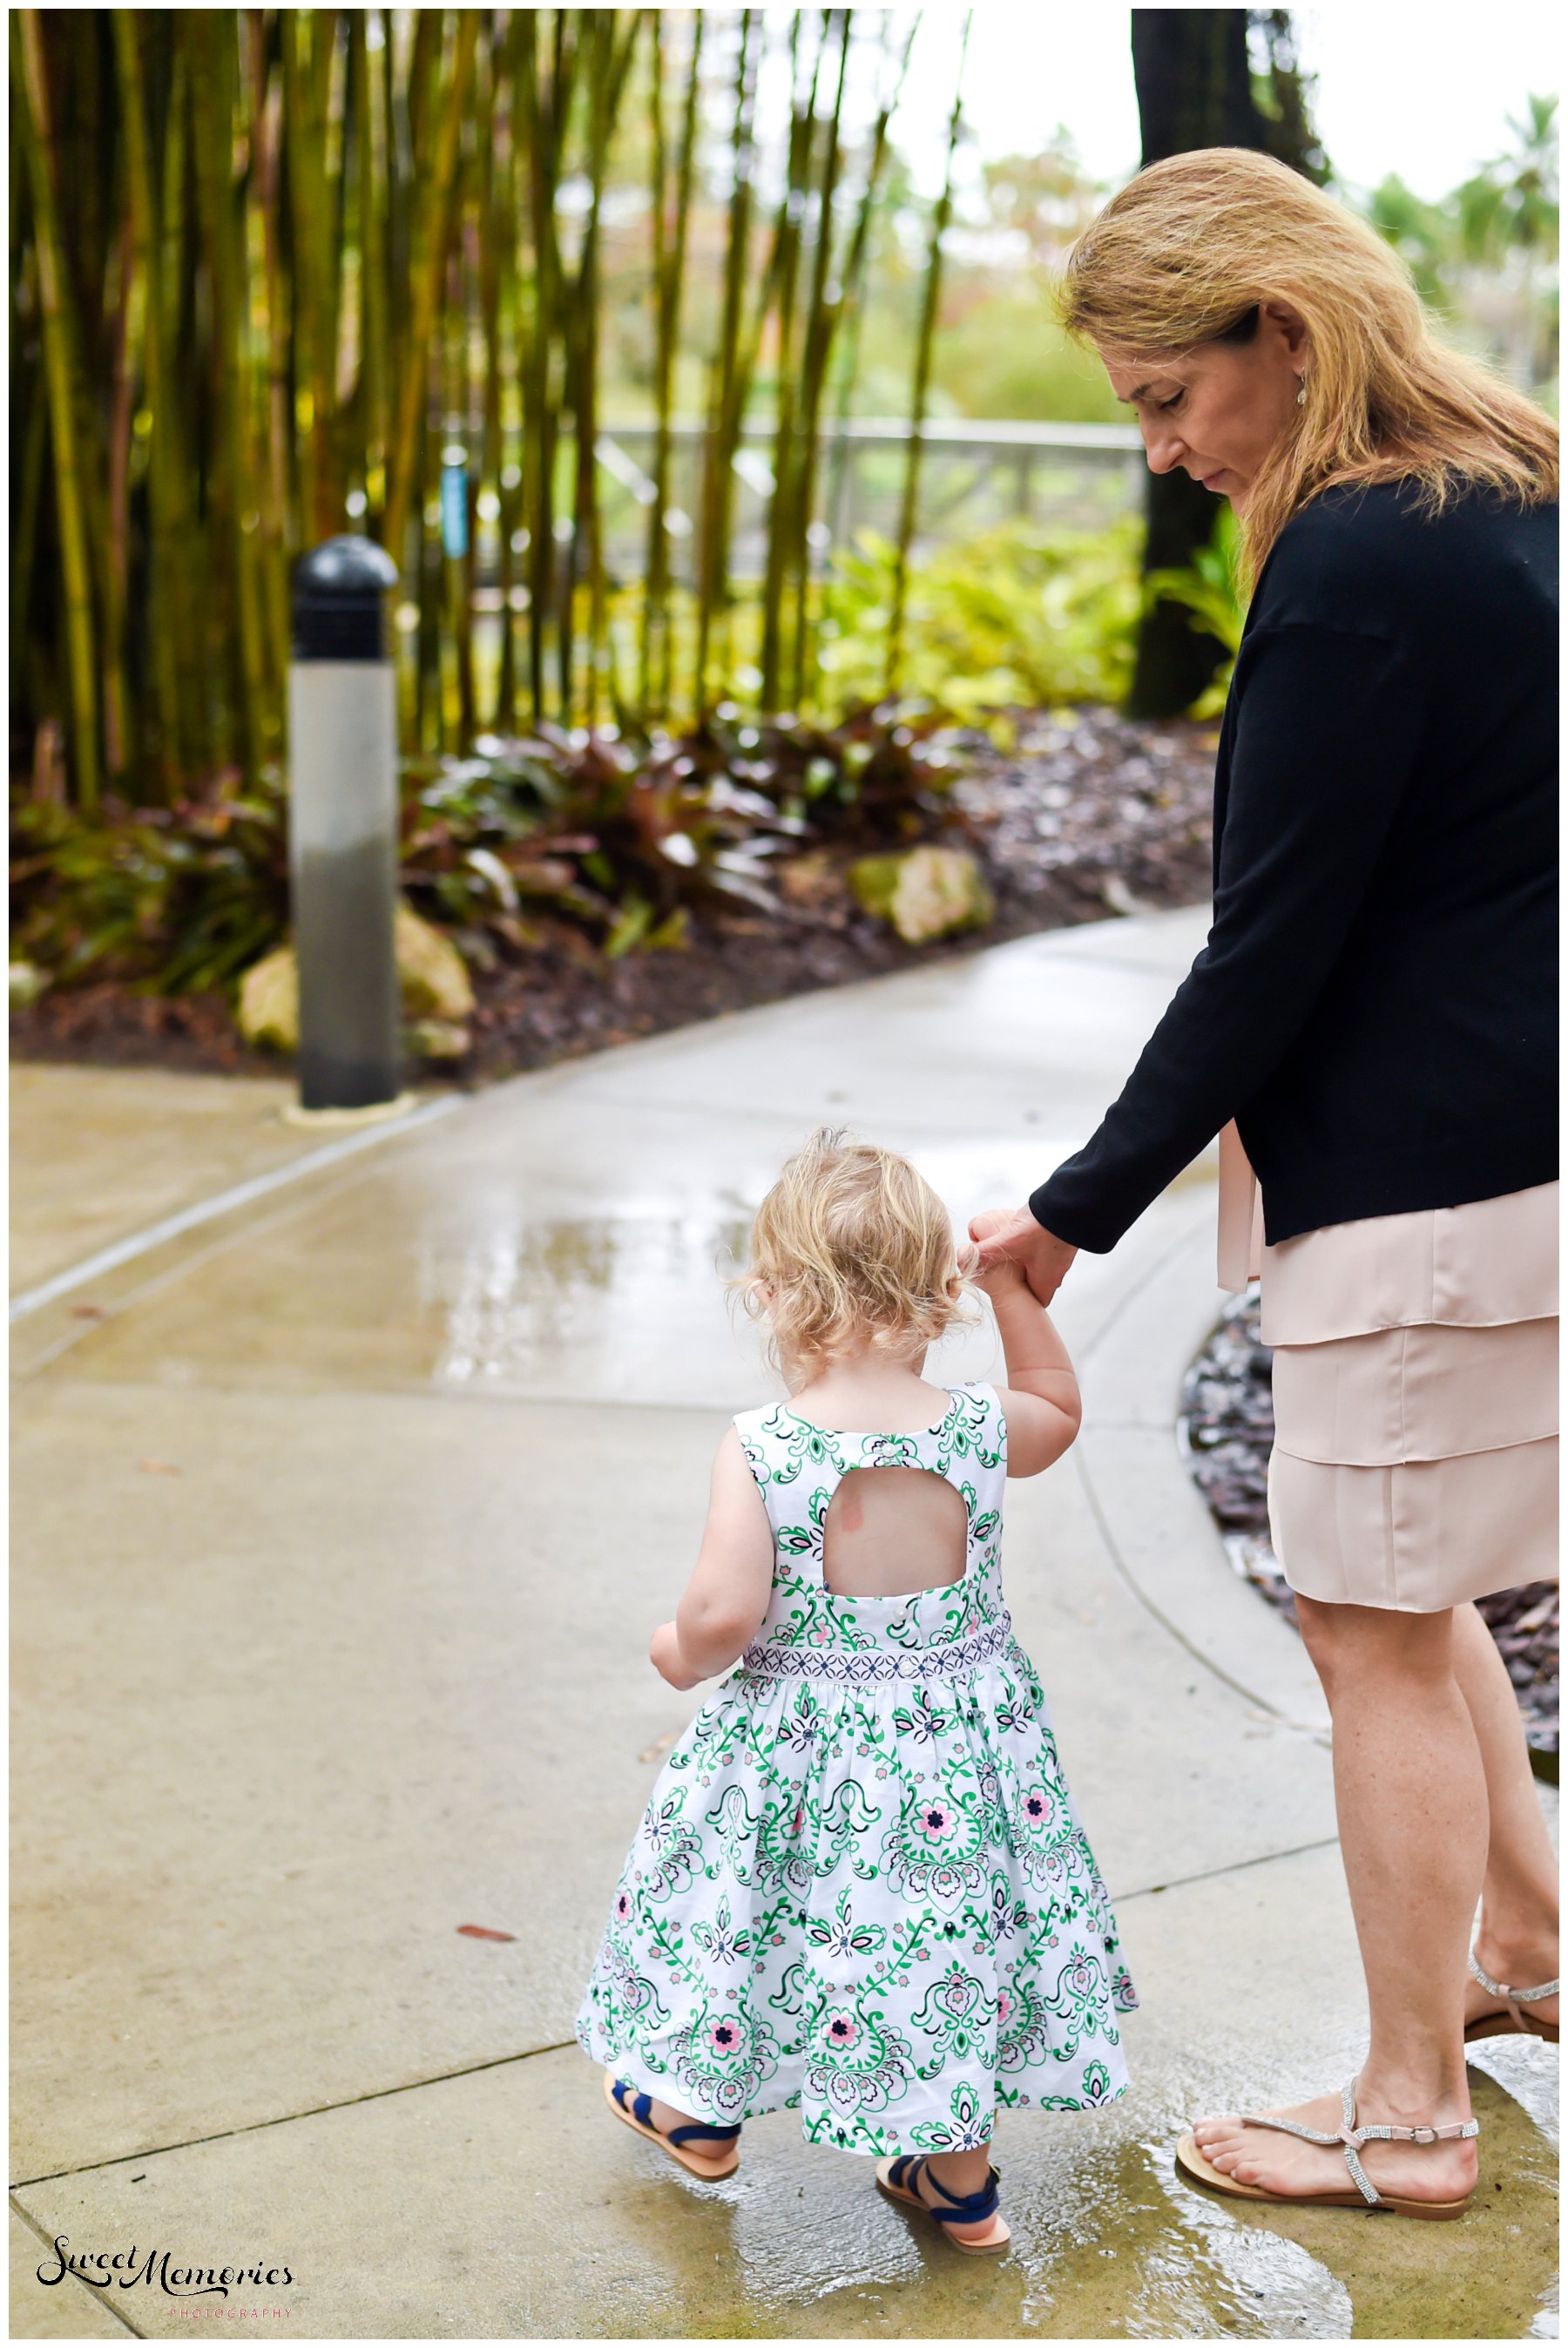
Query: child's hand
point(996, 1278)
point(664, 1654)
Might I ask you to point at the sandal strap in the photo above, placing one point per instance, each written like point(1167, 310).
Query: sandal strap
point(1352, 2137)
point(1511, 1996)
point(962, 2208)
point(641, 2105)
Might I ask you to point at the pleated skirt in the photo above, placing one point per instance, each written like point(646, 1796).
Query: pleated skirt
point(1415, 1394)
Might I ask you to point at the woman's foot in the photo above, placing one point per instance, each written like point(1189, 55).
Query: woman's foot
point(1444, 2171)
point(1519, 1965)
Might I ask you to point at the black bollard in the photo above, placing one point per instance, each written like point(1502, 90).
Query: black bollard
point(343, 825)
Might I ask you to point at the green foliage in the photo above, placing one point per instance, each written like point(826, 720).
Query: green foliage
point(620, 837)
point(1006, 356)
point(1510, 205)
point(1209, 591)
point(1021, 616)
point(173, 900)
point(1486, 255)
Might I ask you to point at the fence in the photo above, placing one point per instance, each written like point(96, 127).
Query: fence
point(973, 475)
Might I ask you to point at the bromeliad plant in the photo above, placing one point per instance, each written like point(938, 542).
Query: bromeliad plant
point(626, 836)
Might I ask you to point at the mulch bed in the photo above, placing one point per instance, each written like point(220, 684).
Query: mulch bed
point(1227, 1429)
point(1091, 814)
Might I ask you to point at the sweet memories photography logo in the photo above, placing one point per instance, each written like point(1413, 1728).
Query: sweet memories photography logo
point(159, 2269)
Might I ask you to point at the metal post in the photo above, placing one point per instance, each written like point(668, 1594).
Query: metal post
point(343, 825)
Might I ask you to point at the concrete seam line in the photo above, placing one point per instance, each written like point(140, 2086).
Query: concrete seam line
point(1146, 1279)
point(98, 2299)
point(109, 1259)
point(1147, 1603)
point(1232, 1867)
point(184, 1269)
point(283, 2119)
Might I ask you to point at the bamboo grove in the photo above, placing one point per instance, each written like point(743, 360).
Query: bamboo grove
point(265, 262)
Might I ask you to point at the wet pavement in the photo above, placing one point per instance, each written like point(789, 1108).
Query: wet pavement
point(329, 1634)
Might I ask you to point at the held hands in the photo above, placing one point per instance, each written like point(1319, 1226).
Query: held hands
point(1015, 1251)
point(664, 1654)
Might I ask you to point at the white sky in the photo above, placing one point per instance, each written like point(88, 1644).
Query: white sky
point(1420, 89)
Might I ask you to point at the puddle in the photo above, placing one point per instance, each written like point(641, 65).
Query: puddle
point(612, 1297)
point(1108, 2243)
point(609, 1301)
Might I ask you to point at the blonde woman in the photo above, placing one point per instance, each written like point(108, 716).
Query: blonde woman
point(1372, 1021)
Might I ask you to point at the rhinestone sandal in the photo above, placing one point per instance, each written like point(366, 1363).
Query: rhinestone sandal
point(1513, 2023)
point(1198, 2171)
point(899, 2179)
point(636, 2110)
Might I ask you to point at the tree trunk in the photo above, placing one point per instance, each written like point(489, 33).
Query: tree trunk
point(1194, 89)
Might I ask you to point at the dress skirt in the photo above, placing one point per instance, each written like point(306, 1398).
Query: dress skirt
point(1415, 1394)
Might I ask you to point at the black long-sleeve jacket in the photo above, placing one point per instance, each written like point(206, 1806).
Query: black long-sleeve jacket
point(1376, 1004)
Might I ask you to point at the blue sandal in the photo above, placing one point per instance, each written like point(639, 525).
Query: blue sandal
point(636, 2111)
point(899, 2178)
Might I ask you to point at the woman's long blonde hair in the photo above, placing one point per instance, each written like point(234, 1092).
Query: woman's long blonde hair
point(1185, 253)
point(850, 1247)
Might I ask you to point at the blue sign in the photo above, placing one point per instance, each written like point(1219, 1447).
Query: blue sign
point(454, 510)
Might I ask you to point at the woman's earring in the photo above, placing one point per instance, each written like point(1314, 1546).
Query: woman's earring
point(1301, 392)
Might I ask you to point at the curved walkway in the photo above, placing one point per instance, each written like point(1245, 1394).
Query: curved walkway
point(330, 1617)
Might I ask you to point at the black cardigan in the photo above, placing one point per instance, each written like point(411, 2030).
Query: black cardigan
point(1376, 1005)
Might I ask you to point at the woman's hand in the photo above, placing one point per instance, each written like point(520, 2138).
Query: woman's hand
point(1013, 1246)
point(664, 1654)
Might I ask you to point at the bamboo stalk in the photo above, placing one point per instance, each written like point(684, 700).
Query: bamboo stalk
point(787, 242)
point(607, 79)
point(488, 236)
point(854, 281)
point(910, 505)
point(60, 361)
point(162, 504)
point(29, 499)
point(281, 536)
point(508, 362)
point(187, 580)
point(117, 750)
point(431, 243)
point(824, 312)
point(669, 275)
point(213, 61)
point(717, 497)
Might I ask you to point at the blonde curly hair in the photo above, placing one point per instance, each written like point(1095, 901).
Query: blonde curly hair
point(1184, 255)
point(851, 1245)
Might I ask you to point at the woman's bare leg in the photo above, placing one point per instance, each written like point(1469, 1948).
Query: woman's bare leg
point(1517, 1941)
point(1411, 1796)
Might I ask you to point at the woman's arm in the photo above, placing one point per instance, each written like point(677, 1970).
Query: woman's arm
point(731, 1582)
point(1329, 729)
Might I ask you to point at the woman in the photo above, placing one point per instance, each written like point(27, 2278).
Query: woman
point(1374, 1009)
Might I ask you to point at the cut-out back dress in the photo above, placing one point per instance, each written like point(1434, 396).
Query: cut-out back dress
point(860, 1885)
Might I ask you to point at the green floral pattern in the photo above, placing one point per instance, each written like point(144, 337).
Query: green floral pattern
point(860, 1886)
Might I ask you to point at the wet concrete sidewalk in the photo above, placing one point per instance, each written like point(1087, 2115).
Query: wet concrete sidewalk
point(330, 1607)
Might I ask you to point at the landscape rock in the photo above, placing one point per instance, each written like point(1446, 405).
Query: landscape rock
point(269, 1012)
point(27, 983)
point(925, 893)
point(436, 993)
point(431, 973)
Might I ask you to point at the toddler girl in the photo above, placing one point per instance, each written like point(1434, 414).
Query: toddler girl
point(860, 1885)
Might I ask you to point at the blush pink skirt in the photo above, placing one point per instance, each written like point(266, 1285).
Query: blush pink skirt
point(1415, 1394)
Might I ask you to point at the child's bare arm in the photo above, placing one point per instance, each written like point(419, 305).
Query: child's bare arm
point(1040, 1401)
point(727, 1596)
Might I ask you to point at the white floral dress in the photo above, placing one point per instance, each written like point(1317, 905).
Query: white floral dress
point(860, 1885)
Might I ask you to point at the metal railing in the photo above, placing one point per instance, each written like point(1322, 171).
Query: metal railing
point(974, 474)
